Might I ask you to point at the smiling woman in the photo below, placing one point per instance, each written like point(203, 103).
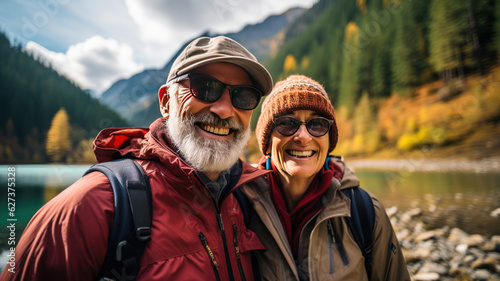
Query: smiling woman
point(307, 215)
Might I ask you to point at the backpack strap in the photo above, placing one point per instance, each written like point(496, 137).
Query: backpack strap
point(132, 219)
point(245, 206)
point(362, 221)
point(247, 209)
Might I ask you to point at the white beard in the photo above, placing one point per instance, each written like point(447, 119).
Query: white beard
point(205, 155)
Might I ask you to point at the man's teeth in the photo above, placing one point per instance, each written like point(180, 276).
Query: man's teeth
point(299, 153)
point(216, 130)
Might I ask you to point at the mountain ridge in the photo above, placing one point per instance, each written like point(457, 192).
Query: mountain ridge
point(135, 98)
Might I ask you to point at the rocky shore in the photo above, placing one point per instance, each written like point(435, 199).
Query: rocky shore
point(445, 253)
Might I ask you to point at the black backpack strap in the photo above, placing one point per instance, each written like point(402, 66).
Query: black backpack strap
point(362, 221)
point(245, 205)
point(132, 219)
point(247, 209)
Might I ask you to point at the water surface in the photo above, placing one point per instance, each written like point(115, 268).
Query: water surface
point(463, 200)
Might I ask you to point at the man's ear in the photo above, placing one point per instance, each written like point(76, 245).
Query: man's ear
point(164, 98)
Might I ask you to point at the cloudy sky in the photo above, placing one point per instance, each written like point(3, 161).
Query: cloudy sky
point(96, 42)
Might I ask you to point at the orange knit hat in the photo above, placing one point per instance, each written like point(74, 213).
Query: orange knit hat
point(294, 93)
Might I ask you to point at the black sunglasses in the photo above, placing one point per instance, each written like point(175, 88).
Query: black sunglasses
point(209, 89)
point(317, 126)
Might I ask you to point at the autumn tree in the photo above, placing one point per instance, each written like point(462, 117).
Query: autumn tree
point(290, 64)
point(58, 139)
point(366, 137)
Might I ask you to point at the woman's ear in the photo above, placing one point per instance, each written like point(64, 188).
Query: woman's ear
point(164, 98)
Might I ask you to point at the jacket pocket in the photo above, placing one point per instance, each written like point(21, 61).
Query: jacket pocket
point(211, 256)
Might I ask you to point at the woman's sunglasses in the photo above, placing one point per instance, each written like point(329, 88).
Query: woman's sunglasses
point(209, 89)
point(317, 126)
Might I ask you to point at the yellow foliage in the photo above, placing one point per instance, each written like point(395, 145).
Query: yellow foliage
point(351, 32)
point(84, 152)
point(366, 139)
point(426, 135)
point(58, 141)
point(411, 125)
point(363, 116)
point(344, 124)
point(361, 5)
point(388, 118)
point(406, 142)
point(290, 63)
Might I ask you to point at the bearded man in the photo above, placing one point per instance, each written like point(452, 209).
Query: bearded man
point(191, 158)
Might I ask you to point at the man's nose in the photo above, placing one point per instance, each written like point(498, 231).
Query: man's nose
point(223, 106)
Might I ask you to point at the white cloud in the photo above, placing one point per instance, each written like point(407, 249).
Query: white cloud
point(93, 64)
point(166, 24)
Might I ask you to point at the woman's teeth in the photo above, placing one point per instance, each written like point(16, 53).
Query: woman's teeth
point(216, 130)
point(299, 153)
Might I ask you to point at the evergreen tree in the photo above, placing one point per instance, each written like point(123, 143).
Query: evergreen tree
point(409, 51)
point(381, 70)
point(481, 34)
point(349, 81)
point(497, 25)
point(449, 47)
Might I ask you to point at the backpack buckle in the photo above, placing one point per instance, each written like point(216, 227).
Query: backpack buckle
point(119, 250)
point(143, 233)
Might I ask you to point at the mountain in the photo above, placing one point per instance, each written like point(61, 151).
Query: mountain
point(263, 39)
point(136, 98)
point(31, 95)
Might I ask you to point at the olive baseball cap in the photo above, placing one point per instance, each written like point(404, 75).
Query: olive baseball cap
point(206, 50)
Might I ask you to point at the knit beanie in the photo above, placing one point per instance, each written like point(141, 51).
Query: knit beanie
point(294, 93)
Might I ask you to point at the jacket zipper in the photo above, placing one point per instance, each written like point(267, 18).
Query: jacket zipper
point(331, 238)
point(224, 241)
point(215, 264)
point(220, 222)
point(338, 244)
point(237, 250)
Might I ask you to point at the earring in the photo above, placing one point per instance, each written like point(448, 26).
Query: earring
point(268, 162)
point(327, 161)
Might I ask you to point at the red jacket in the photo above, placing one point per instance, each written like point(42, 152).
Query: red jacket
point(67, 238)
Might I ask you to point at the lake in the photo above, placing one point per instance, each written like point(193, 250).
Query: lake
point(456, 199)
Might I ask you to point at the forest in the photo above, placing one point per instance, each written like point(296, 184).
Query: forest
point(403, 75)
point(43, 116)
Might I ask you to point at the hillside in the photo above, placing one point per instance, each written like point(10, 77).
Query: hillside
point(265, 38)
point(404, 76)
point(408, 79)
point(136, 98)
point(31, 95)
